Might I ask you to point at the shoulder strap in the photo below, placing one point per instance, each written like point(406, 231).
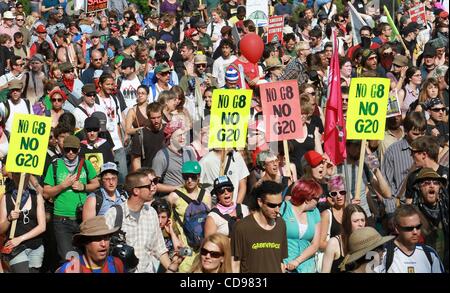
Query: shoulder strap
point(427, 251)
point(83, 110)
point(184, 196)
point(98, 201)
point(200, 195)
point(239, 214)
point(227, 165)
point(27, 80)
point(390, 246)
point(119, 216)
point(55, 167)
point(27, 102)
point(7, 109)
point(166, 156)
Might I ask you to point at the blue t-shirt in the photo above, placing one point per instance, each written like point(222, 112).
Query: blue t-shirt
point(282, 9)
point(297, 245)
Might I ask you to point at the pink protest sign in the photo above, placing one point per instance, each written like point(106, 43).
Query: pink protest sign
point(281, 108)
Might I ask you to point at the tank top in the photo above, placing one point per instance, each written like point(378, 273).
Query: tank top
point(337, 262)
point(31, 214)
point(140, 120)
point(335, 228)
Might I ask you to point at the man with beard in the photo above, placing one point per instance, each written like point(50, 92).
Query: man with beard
point(251, 235)
point(67, 180)
point(425, 153)
point(199, 79)
point(433, 203)
point(95, 64)
point(429, 57)
point(153, 135)
point(405, 254)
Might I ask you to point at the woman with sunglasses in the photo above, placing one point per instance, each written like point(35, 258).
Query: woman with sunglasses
point(190, 171)
point(222, 218)
point(302, 226)
point(25, 251)
point(57, 98)
point(331, 218)
point(353, 218)
point(215, 255)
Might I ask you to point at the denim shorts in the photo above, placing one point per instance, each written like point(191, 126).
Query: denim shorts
point(34, 257)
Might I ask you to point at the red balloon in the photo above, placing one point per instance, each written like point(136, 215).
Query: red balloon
point(252, 47)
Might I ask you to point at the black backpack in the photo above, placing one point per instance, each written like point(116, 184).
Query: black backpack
point(390, 247)
point(231, 220)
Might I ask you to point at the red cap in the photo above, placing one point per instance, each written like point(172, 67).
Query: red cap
point(41, 29)
point(443, 14)
point(313, 158)
point(188, 33)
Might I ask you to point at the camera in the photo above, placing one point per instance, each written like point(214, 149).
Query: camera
point(125, 252)
point(185, 251)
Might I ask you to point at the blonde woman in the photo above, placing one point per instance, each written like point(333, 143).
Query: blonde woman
point(215, 255)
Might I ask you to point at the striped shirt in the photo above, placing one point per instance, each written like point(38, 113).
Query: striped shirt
point(143, 234)
point(396, 165)
point(78, 265)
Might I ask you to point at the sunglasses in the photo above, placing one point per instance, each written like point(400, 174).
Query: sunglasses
point(97, 59)
point(223, 189)
point(436, 110)
point(194, 177)
point(430, 182)
point(92, 129)
point(148, 186)
point(164, 73)
point(201, 65)
point(90, 95)
point(409, 228)
point(69, 71)
point(20, 19)
point(335, 193)
point(213, 254)
point(57, 100)
point(73, 150)
point(273, 205)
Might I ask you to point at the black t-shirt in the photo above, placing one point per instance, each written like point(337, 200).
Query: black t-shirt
point(412, 191)
point(153, 142)
point(301, 148)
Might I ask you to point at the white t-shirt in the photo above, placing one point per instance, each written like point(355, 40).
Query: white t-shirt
point(4, 79)
point(222, 224)
point(220, 67)
point(417, 262)
point(21, 108)
point(210, 164)
point(113, 120)
point(80, 115)
point(128, 88)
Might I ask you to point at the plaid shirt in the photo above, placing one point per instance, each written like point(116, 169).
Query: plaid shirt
point(295, 70)
point(144, 235)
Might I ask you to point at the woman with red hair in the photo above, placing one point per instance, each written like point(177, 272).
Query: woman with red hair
point(303, 226)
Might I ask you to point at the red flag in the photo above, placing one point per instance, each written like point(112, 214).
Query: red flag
point(334, 138)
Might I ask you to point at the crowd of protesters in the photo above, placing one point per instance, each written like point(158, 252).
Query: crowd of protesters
point(130, 94)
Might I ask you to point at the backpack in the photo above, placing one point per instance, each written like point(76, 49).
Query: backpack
point(194, 219)
point(8, 108)
point(390, 247)
point(99, 200)
point(231, 220)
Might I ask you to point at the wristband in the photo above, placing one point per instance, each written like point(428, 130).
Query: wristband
point(84, 187)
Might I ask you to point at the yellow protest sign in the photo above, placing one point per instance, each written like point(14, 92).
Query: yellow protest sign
point(367, 107)
point(29, 143)
point(230, 113)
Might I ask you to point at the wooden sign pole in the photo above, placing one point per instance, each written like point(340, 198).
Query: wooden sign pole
point(360, 169)
point(286, 156)
point(17, 206)
point(222, 162)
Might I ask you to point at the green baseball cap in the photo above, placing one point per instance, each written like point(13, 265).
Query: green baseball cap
point(191, 167)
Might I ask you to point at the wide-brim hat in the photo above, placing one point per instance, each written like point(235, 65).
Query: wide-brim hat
point(427, 174)
point(92, 227)
point(272, 63)
point(362, 241)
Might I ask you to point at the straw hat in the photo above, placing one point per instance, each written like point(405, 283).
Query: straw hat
point(362, 241)
point(272, 63)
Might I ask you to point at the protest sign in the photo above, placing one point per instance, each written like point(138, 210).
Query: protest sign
point(275, 30)
point(417, 14)
point(281, 107)
point(367, 107)
point(258, 11)
point(95, 5)
point(28, 144)
point(393, 106)
point(230, 113)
